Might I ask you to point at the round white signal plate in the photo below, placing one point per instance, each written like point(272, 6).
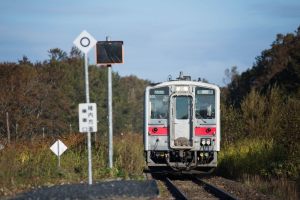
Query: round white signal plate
point(85, 42)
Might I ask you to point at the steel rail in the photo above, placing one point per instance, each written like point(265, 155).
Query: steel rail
point(175, 191)
point(148, 176)
point(215, 190)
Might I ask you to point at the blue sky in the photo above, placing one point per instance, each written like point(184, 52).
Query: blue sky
point(161, 37)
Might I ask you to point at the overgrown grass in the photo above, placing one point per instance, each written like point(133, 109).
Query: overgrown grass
point(261, 164)
point(32, 164)
point(281, 188)
point(260, 138)
point(245, 156)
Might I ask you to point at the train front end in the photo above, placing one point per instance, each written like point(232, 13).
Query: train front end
point(182, 126)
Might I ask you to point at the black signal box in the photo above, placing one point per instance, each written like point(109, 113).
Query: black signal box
point(109, 52)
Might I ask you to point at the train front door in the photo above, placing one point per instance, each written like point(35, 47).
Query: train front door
point(181, 119)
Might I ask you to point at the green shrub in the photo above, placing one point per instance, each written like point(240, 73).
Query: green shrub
point(262, 137)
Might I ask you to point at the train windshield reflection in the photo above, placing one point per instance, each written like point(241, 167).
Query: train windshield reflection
point(159, 106)
point(205, 103)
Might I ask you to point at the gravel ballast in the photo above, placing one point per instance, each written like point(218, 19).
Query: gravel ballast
point(103, 190)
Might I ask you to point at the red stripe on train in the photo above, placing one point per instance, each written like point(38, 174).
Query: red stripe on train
point(205, 131)
point(158, 130)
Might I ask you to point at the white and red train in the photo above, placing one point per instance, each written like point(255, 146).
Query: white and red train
point(182, 125)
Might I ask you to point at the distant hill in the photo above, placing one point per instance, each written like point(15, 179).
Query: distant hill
point(279, 65)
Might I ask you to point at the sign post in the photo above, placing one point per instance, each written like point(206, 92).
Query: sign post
point(110, 122)
point(85, 43)
point(109, 52)
point(58, 148)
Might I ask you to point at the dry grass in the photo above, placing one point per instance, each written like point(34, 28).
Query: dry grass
point(32, 164)
point(262, 162)
point(281, 188)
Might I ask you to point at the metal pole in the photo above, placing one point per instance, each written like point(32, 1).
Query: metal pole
point(86, 73)
point(110, 123)
point(58, 154)
point(88, 133)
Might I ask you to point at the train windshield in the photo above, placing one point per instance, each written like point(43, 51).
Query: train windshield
point(205, 103)
point(159, 99)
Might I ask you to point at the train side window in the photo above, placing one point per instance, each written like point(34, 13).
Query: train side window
point(159, 99)
point(205, 103)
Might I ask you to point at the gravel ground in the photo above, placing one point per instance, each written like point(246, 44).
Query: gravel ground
point(237, 189)
point(194, 191)
point(104, 190)
point(140, 190)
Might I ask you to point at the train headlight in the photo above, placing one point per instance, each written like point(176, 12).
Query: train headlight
point(205, 142)
point(208, 142)
point(206, 154)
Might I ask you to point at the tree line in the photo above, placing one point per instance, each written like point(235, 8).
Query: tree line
point(263, 103)
point(42, 98)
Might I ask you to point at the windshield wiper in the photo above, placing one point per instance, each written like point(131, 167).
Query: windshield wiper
point(202, 119)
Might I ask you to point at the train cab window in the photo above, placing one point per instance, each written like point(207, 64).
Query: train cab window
point(159, 99)
point(205, 103)
point(183, 107)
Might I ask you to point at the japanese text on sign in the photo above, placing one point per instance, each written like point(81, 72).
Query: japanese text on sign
point(87, 117)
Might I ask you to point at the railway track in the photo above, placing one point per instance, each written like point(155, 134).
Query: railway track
point(215, 190)
point(191, 188)
point(175, 191)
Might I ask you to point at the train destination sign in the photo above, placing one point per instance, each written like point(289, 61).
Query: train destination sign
point(160, 91)
point(109, 52)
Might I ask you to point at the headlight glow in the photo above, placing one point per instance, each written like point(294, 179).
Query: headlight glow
point(208, 141)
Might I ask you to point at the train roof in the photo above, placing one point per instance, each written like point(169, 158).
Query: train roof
point(185, 82)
